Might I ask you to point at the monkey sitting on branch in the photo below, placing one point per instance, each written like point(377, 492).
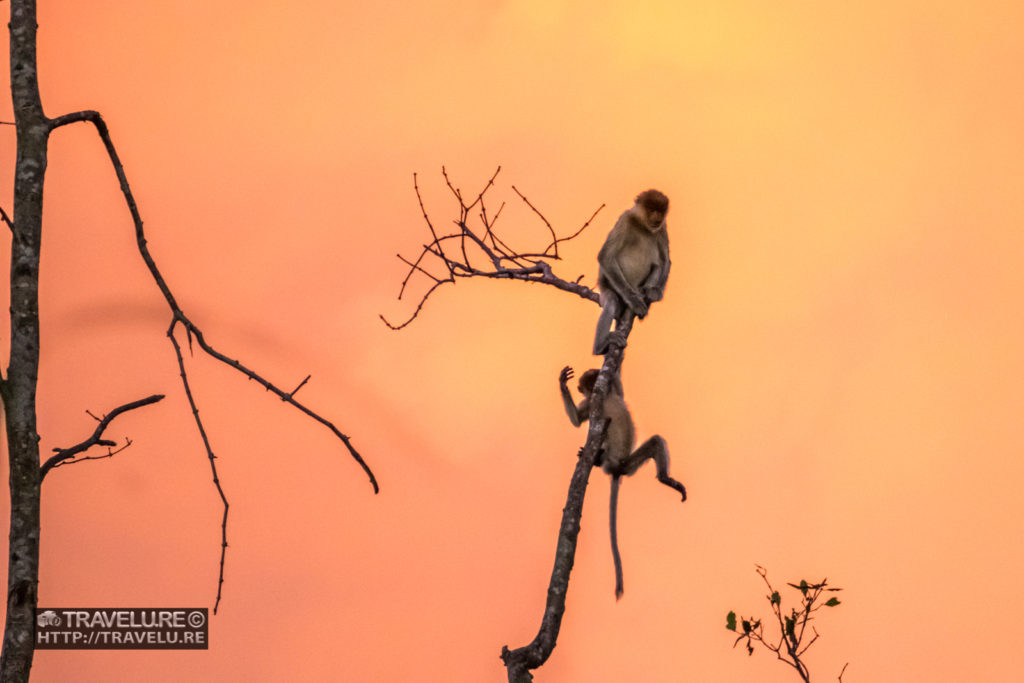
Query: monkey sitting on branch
point(633, 264)
point(616, 455)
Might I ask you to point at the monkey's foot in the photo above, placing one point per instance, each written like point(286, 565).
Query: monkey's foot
point(669, 481)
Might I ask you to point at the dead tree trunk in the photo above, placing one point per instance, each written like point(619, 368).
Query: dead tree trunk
point(18, 387)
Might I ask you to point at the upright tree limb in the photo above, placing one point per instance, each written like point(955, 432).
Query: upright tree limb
point(457, 255)
point(520, 661)
point(18, 389)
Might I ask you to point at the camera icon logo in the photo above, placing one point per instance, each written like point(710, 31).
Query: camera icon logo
point(48, 618)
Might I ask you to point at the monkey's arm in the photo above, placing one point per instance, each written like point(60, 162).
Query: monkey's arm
point(611, 272)
point(576, 414)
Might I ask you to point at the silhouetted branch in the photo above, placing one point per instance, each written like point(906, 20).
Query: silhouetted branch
point(470, 244)
point(457, 255)
point(7, 219)
point(66, 456)
point(111, 452)
point(210, 455)
point(192, 331)
point(790, 647)
point(520, 661)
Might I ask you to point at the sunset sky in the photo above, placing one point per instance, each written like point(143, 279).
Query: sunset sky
point(837, 365)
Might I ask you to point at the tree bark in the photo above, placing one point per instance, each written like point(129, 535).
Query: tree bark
point(18, 388)
point(519, 662)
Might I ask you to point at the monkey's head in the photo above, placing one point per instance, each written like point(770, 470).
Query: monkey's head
point(587, 381)
point(654, 205)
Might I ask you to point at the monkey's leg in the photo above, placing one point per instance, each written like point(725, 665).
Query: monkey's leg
point(656, 449)
point(611, 309)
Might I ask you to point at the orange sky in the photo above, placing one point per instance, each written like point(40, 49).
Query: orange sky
point(836, 366)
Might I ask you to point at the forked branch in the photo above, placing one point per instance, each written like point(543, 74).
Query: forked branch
point(476, 249)
point(192, 331)
point(67, 456)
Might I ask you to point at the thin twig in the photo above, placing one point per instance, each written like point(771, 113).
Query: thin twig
point(109, 454)
point(210, 456)
point(96, 439)
point(791, 645)
point(484, 242)
point(296, 389)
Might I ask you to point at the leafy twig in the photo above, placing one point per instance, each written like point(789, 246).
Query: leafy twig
point(791, 645)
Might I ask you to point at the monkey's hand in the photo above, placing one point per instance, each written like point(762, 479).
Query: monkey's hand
point(597, 460)
point(565, 375)
point(616, 338)
point(638, 304)
point(652, 294)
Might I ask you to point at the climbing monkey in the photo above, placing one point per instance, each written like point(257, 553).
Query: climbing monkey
point(616, 455)
point(633, 264)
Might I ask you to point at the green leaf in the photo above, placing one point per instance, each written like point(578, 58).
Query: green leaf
point(730, 621)
point(803, 587)
point(791, 626)
point(832, 602)
point(776, 598)
point(746, 626)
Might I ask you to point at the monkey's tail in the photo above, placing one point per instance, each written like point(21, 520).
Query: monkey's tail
point(613, 506)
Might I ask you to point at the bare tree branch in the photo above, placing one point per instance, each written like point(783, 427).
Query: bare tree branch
point(520, 661)
point(6, 219)
point(456, 254)
point(111, 452)
point(470, 244)
point(192, 331)
point(65, 455)
point(212, 458)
